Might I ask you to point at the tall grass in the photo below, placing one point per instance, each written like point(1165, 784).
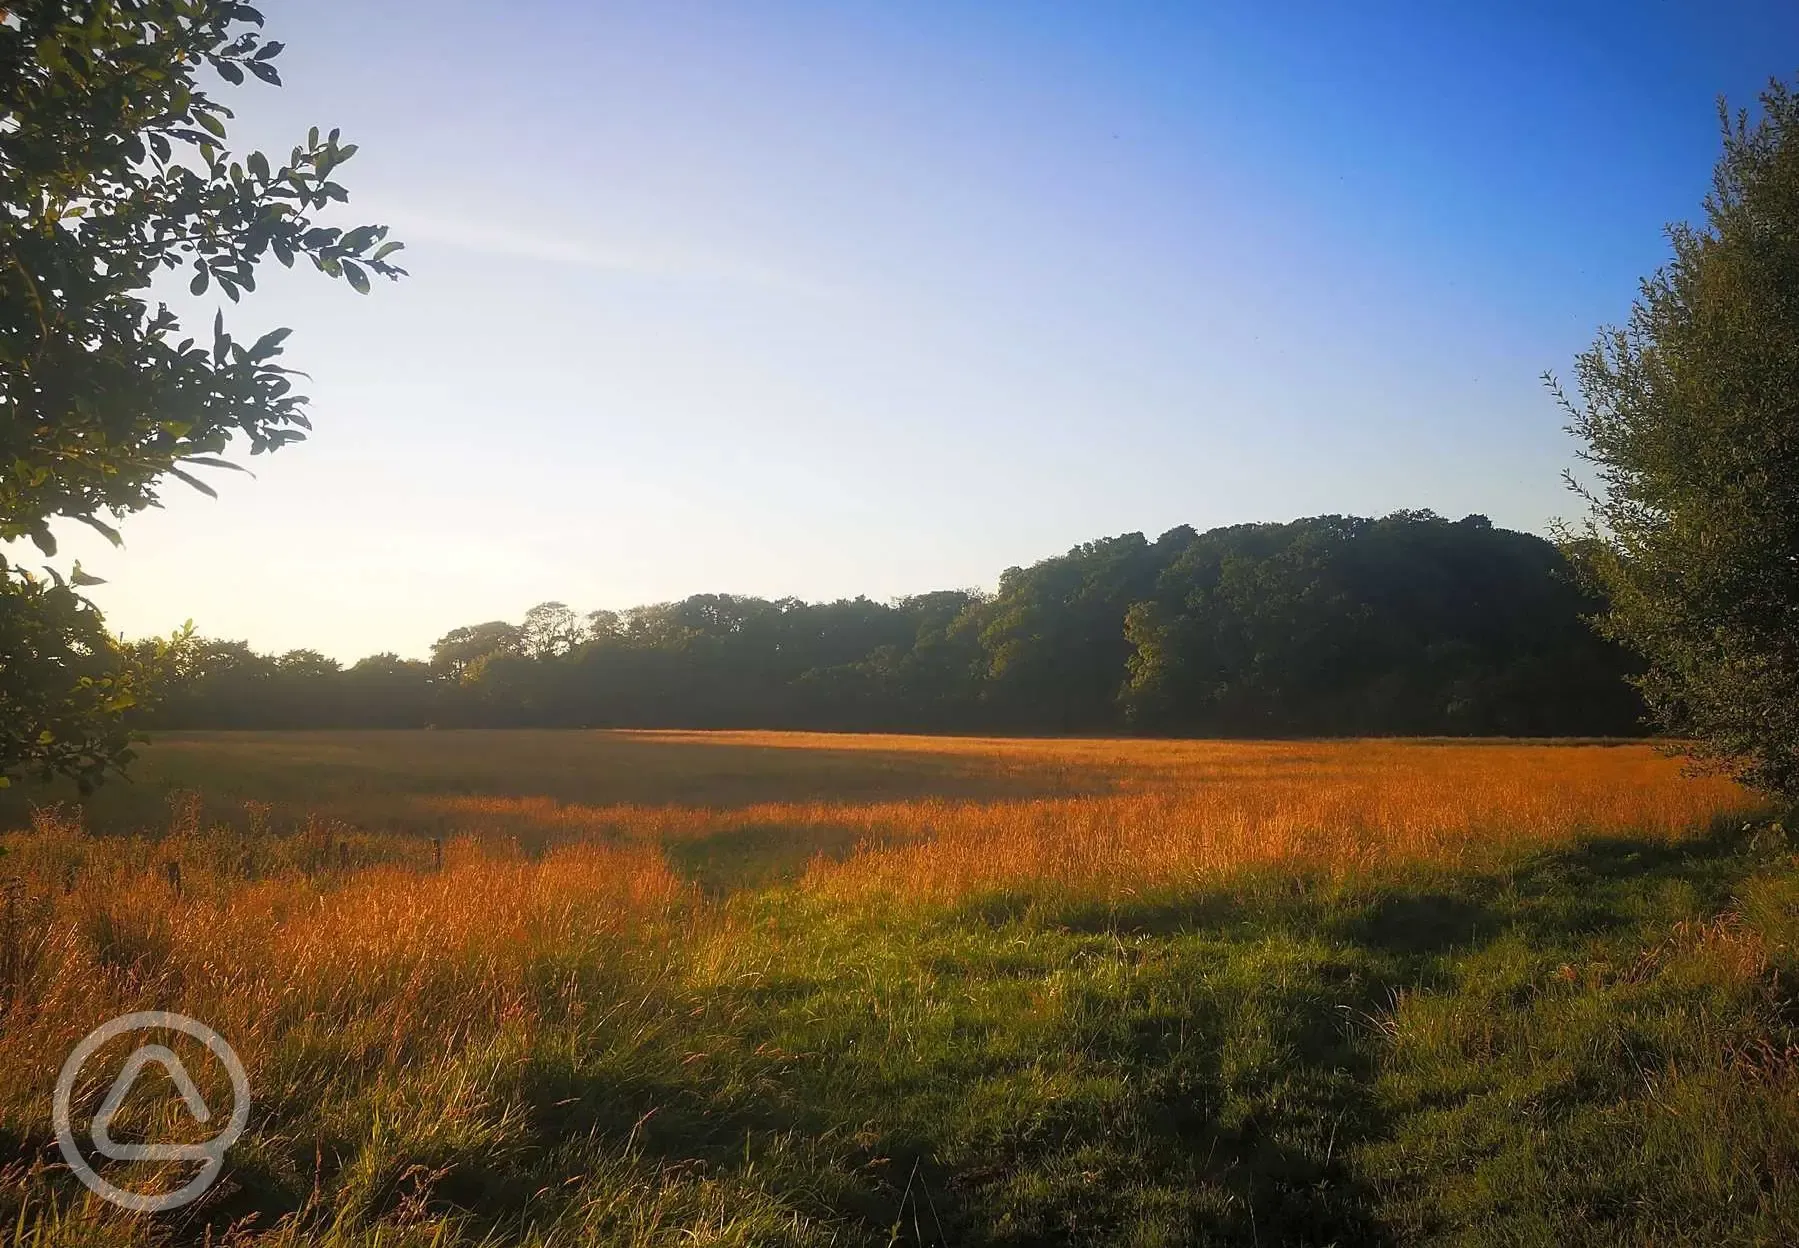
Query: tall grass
point(1317, 808)
point(702, 1016)
point(1123, 816)
point(351, 976)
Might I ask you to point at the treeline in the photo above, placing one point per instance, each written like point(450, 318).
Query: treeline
point(1332, 625)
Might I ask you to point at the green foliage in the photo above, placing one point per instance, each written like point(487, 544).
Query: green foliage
point(1333, 625)
point(1689, 418)
point(1054, 639)
point(61, 684)
point(458, 652)
point(1346, 625)
point(66, 685)
point(551, 629)
point(115, 170)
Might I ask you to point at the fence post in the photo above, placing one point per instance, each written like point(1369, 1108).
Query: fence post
point(172, 870)
point(437, 853)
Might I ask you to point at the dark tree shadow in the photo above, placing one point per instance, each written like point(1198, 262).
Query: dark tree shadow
point(1413, 924)
point(759, 855)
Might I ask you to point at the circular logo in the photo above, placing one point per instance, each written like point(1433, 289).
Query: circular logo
point(210, 1155)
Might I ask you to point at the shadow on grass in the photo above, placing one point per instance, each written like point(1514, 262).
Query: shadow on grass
point(1211, 1086)
point(758, 856)
point(1421, 923)
point(1387, 920)
point(373, 777)
point(1553, 894)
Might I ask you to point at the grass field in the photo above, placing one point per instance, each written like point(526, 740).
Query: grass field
point(748, 988)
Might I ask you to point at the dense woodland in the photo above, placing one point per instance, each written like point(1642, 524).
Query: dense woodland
point(1331, 625)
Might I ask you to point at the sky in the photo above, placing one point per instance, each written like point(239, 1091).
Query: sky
point(840, 298)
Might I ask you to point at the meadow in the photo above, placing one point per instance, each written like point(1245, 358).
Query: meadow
point(518, 987)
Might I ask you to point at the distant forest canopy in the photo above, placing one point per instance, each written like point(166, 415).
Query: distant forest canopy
point(1410, 624)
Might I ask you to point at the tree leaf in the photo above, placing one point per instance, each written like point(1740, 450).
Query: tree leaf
point(209, 461)
point(194, 481)
point(99, 526)
point(269, 345)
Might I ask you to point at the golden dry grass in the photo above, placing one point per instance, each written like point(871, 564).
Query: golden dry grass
point(369, 938)
point(332, 985)
point(933, 816)
point(1186, 811)
point(1112, 816)
point(357, 979)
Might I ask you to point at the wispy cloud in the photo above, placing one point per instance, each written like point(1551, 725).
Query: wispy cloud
point(494, 237)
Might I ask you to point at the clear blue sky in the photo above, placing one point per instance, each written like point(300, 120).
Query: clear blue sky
point(834, 298)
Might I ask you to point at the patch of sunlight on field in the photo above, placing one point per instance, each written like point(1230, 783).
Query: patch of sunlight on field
point(926, 816)
point(758, 988)
point(1184, 812)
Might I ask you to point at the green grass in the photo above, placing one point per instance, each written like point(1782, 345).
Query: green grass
point(1590, 1046)
point(1290, 1064)
point(1595, 1044)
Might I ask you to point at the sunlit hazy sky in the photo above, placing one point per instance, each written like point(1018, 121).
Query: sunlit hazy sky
point(838, 298)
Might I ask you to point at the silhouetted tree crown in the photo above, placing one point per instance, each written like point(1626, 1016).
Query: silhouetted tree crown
point(115, 171)
point(1332, 625)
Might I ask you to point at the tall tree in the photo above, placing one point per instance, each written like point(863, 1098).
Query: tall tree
point(1690, 416)
point(460, 650)
point(115, 169)
point(551, 629)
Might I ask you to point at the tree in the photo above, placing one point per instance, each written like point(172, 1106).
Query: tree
point(602, 625)
point(1054, 633)
point(114, 170)
point(1411, 623)
point(459, 651)
point(1690, 419)
point(61, 689)
point(551, 629)
point(386, 691)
